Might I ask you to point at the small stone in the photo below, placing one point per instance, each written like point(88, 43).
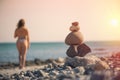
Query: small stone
point(1, 77)
point(26, 78)
point(60, 60)
point(29, 74)
point(42, 73)
point(88, 71)
point(22, 73)
point(68, 67)
point(66, 77)
point(53, 73)
point(37, 61)
point(79, 70)
point(50, 65)
point(16, 76)
point(102, 75)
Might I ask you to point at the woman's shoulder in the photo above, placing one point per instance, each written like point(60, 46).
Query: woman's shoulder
point(16, 30)
point(25, 28)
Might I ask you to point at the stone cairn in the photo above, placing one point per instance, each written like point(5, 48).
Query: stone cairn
point(75, 40)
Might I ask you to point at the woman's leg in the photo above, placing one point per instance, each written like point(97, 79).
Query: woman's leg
point(20, 61)
point(24, 51)
point(20, 54)
point(23, 57)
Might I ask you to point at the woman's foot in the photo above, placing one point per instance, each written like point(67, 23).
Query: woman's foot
point(23, 67)
point(20, 67)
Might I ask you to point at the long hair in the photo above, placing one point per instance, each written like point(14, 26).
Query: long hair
point(21, 23)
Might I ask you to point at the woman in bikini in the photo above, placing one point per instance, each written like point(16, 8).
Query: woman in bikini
point(22, 43)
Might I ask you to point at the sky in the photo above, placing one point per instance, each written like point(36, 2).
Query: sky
point(49, 20)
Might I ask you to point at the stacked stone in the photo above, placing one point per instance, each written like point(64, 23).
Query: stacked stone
point(74, 39)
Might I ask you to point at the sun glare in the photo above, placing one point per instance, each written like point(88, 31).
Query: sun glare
point(114, 22)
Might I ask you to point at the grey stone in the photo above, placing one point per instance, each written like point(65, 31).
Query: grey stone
point(79, 70)
point(29, 74)
point(102, 75)
point(26, 78)
point(42, 73)
point(87, 62)
point(68, 67)
point(54, 73)
point(67, 77)
point(37, 61)
point(88, 71)
point(60, 60)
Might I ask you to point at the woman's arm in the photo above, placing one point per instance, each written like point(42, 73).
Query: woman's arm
point(28, 38)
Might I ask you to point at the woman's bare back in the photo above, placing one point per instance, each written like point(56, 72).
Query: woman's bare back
point(21, 32)
point(23, 37)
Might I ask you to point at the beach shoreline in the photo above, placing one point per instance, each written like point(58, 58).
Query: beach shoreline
point(57, 68)
point(11, 67)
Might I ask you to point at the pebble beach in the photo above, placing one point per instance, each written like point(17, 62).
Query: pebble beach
point(89, 67)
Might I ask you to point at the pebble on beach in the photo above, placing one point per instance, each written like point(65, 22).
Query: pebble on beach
point(77, 68)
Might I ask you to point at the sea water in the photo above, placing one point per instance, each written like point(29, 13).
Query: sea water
point(47, 50)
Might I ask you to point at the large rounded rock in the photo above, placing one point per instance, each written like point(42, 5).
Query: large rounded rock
point(74, 38)
point(89, 61)
point(78, 50)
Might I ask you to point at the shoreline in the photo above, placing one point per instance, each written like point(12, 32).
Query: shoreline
point(65, 68)
point(11, 71)
point(9, 67)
